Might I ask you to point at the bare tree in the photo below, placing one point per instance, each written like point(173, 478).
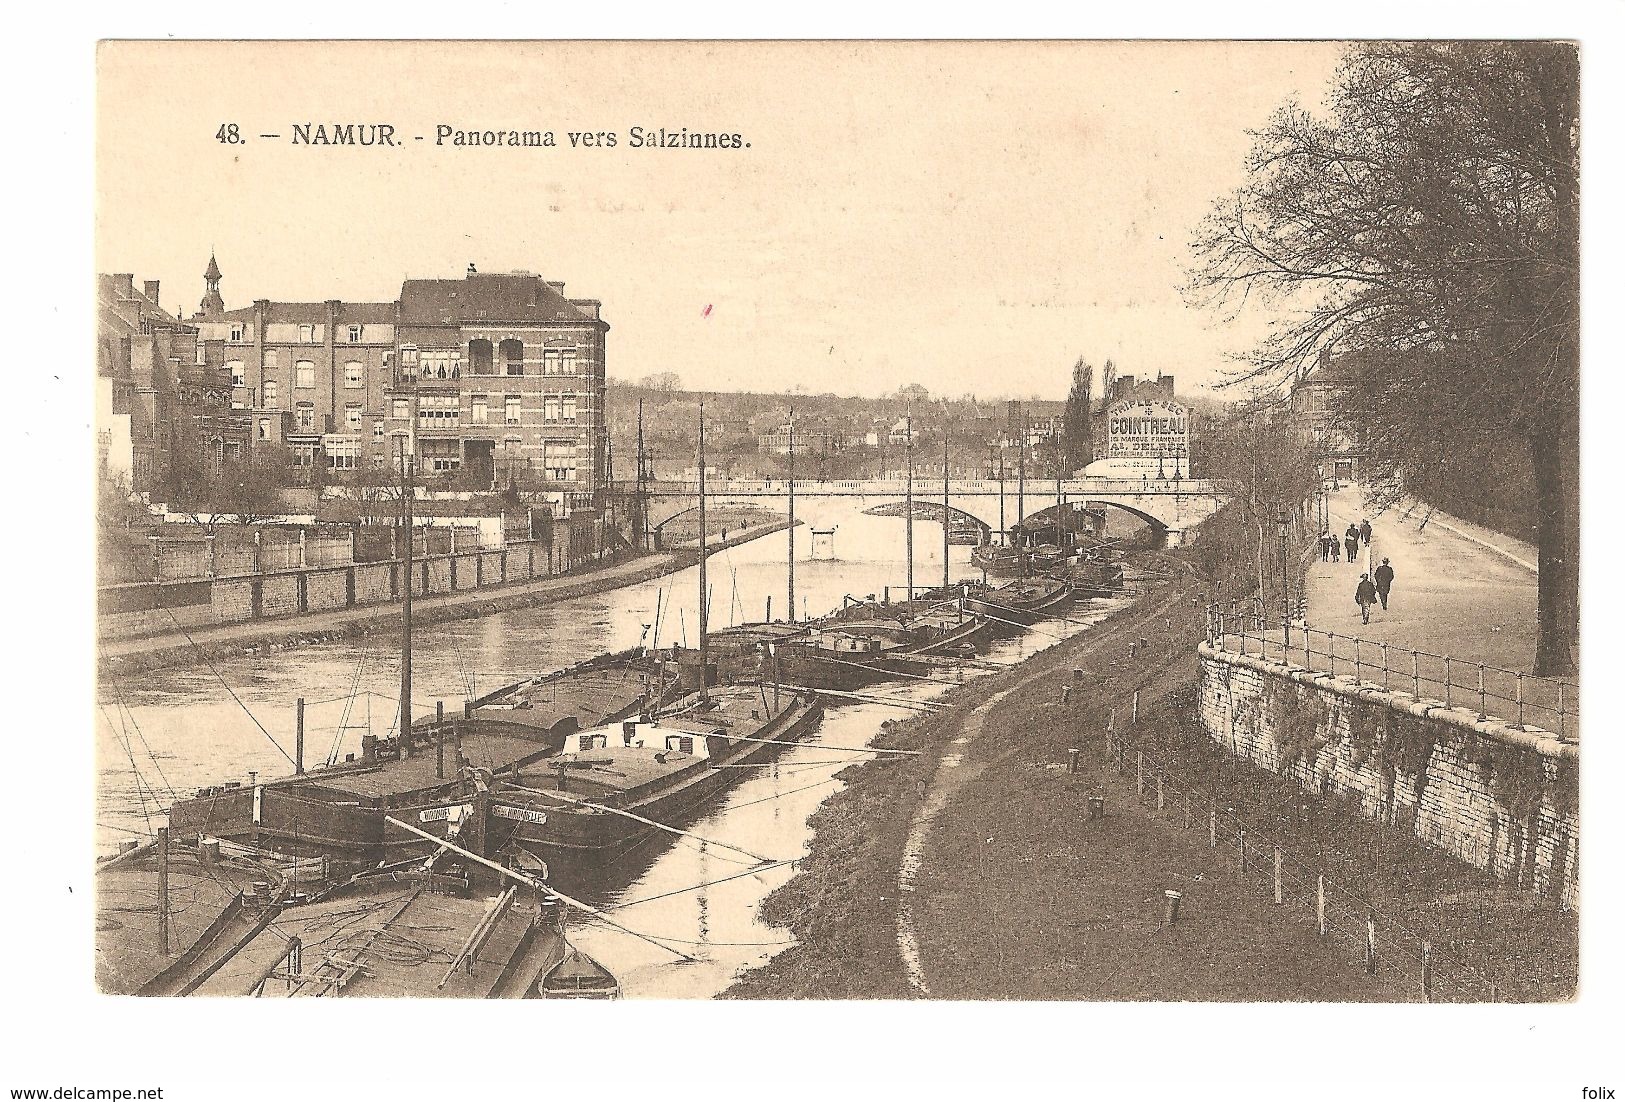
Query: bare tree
point(1429, 226)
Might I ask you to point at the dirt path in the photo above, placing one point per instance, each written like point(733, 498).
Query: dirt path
point(949, 778)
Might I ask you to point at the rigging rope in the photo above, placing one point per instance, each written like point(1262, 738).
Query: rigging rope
point(204, 655)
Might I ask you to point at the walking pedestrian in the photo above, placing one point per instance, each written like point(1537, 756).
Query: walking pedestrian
point(1337, 555)
point(1325, 547)
point(1384, 579)
point(1365, 595)
point(1365, 532)
point(1351, 544)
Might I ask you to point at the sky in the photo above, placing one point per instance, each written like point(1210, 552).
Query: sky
point(972, 217)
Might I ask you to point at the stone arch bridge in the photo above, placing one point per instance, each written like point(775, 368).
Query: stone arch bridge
point(1172, 507)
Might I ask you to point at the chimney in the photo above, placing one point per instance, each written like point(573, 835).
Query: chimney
point(150, 286)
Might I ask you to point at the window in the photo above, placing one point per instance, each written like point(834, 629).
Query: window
point(237, 333)
point(550, 408)
point(476, 409)
point(354, 376)
point(270, 358)
point(510, 409)
point(409, 360)
point(439, 411)
point(353, 334)
point(201, 354)
point(236, 369)
point(265, 428)
point(479, 356)
point(342, 454)
point(441, 456)
point(513, 354)
point(304, 375)
point(550, 362)
point(567, 361)
point(568, 412)
point(307, 334)
point(559, 460)
point(270, 394)
point(377, 430)
point(352, 416)
point(306, 414)
point(398, 409)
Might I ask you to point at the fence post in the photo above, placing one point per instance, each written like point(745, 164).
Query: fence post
point(1562, 723)
point(1385, 667)
point(1279, 898)
point(1358, 676)
point(1427, 971)
point(1416, 677)
point(1520, 701)
point(1447, 681)
point(1331, 653)
point(1371, 943)
point(1134, 713)
point(1482, 711)
point(1320, 903)
point(1308, 662)
point(1160, 804)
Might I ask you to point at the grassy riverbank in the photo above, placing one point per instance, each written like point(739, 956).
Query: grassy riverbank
point(1019, 895)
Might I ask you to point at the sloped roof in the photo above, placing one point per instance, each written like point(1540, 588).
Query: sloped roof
point(511, 297)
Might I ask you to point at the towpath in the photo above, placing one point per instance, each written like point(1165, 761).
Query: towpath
point(1459, 590)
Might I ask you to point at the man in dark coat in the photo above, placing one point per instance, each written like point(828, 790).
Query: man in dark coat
point(1365, 532)
point(1325, 547)
point(1384, 579)
point(1351, 543)
point(1365, 595)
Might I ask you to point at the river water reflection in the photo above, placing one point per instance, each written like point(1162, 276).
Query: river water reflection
point(171, 731)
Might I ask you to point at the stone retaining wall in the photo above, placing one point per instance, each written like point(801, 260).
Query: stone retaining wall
point(1500, 798)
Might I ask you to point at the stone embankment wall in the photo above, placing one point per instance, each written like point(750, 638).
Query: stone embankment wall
point(1501, 798)
point(137, 609)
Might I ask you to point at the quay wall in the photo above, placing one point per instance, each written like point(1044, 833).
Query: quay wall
point(235, 616)
point(1502, 798)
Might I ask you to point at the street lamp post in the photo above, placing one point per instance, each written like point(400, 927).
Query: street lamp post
point(1286, 585)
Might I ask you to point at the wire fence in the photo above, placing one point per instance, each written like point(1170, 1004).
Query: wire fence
point(1522, 700)
point(1382, 943)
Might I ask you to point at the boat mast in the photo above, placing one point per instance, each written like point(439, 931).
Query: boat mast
point(791, 575)
point(908, 528)
point(1021, 492)
point(1004, 532)
point(406, 606)
point(945, 579)
point(643, 486)
point(705, 647)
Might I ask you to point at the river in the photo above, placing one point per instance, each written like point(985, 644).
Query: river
point(170, 731)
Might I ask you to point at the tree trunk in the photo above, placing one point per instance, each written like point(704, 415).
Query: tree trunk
point(1557, 589)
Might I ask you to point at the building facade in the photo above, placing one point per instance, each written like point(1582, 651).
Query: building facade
point(487, 381)
point(158, 397)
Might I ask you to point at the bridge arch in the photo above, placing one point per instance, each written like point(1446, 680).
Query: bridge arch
point(928, 510)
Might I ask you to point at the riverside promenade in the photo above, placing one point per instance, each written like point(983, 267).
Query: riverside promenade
point(1458, 589)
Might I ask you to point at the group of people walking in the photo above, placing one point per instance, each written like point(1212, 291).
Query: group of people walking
point(1375, 586)
point(1357, 536)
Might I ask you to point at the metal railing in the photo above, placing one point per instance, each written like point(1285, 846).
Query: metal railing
point(1521, 700)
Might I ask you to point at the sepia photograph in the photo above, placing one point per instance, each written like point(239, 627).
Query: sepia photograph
point(1074, 523)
